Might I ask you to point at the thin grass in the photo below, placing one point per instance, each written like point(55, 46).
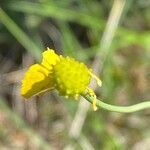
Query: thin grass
point(20, 35)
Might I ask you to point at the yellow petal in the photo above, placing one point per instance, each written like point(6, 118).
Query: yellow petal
point(94, 104)
point(99, 82)
point(37, 79)
point(49, 59)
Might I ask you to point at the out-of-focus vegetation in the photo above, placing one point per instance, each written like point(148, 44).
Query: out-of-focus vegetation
point(74, 28)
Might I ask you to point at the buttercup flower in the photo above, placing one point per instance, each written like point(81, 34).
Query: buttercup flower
point(39, 76)
point(68, 76)
point(71, 77)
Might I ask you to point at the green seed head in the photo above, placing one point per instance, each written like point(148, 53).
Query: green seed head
point(71, 77)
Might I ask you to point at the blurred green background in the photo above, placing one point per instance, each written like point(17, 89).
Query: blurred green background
point(75, 28)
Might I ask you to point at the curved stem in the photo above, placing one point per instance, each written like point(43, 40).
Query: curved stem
point(119, 109)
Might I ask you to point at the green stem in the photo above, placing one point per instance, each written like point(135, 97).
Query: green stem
point(119, 109)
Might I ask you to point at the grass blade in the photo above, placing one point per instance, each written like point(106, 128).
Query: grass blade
point(20, 35)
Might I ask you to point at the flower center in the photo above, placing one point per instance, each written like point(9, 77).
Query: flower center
point(71, 77)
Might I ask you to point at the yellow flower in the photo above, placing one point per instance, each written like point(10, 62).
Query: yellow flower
point(68, 76)
point(49, 59)
point(36, 80)
point(39, 76)
point(71, 77)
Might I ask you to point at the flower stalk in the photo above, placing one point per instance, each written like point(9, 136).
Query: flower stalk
point(119, 109)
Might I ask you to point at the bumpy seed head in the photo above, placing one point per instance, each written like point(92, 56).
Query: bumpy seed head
point(71, 77)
